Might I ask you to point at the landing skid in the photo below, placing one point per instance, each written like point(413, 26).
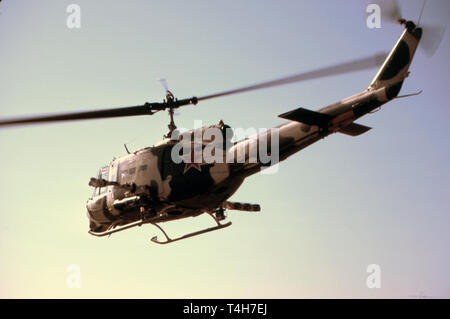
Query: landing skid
point(155, 238)
point(206, 230)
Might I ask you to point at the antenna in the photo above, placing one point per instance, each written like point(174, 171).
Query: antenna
point(421, 11)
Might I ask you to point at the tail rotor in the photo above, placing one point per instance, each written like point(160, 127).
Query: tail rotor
point(432, 34)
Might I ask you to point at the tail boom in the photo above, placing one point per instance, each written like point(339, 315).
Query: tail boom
point(306, 127)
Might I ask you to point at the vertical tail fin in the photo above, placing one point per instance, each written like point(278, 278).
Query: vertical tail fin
point(395, 68)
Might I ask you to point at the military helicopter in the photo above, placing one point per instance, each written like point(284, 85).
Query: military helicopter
point(148, 187)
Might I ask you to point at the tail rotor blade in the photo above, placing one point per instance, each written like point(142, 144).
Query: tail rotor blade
point(432, 38)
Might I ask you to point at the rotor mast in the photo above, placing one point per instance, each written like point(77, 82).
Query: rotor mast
point(170, 103)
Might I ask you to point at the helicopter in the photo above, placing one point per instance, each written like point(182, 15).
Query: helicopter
point(148, 186)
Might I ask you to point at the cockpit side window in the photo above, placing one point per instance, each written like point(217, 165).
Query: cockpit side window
point(104, 171)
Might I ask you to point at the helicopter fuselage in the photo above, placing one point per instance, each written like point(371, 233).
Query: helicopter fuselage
point(150, 180)
point(149, 185)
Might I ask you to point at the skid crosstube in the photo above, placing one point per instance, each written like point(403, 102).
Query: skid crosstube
point(116, 230)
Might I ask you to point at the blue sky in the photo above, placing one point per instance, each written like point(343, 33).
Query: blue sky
point(330, 211)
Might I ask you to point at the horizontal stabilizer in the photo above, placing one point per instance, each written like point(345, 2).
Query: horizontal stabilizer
point(354, 129)
point(307, 116)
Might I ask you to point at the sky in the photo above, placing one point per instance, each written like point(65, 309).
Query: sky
point(332, 210)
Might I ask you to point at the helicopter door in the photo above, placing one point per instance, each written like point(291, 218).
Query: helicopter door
point(112, 177)
point(186, 179)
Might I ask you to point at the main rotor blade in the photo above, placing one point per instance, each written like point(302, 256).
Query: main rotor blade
point(86, 115)
point(352, 66)
point(151, 108)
